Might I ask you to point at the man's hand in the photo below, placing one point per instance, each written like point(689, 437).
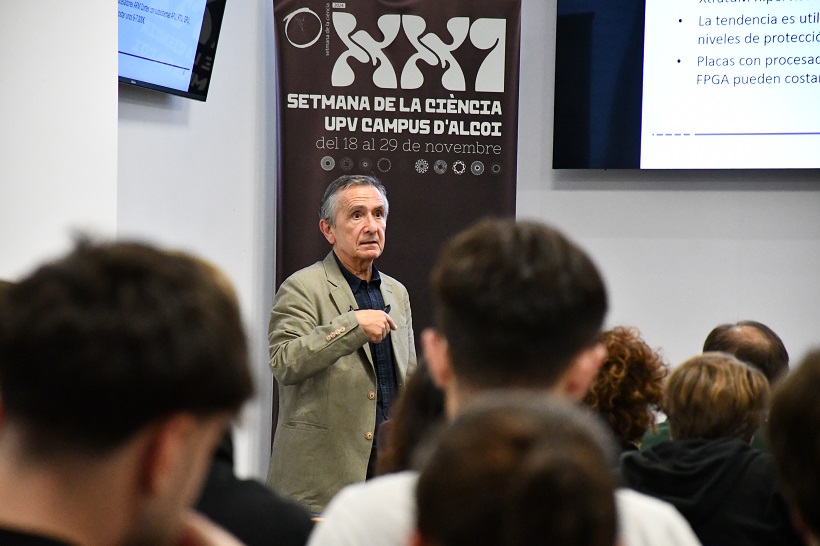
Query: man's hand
point(376, 324)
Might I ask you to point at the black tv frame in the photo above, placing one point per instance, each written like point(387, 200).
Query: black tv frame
point(203, 59)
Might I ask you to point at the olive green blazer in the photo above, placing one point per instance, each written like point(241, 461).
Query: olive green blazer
point(327, 383)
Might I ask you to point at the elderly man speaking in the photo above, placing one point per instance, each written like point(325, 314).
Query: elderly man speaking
point(341, 346)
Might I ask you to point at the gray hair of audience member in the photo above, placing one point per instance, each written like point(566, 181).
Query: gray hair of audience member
point(329, 206)
point(516, 301)
point(715, 395)
point(113, 337)
point(752, 342)
point(794, 438)
point(517, 469)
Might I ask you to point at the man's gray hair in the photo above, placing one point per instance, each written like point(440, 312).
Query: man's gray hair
point(330, 202)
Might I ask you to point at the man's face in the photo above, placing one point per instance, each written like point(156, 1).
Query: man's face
point(358, 236)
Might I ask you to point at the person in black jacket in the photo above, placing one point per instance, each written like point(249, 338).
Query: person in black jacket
point(251, 511)
point(726, 489)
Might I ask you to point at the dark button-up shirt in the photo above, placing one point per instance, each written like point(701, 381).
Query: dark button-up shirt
point(369, 296)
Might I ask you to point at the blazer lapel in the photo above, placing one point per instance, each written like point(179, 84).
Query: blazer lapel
point(340, 293)
point(397, 337)
point(339, 289)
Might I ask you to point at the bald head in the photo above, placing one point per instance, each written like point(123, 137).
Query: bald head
point(753, 343)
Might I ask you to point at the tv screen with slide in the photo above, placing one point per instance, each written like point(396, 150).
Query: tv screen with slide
point(169, 45)
point(687, 84)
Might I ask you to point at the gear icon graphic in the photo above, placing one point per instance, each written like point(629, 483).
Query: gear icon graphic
point(327, 163)
point(459, 167)
point(422, 166)
point(365, 164)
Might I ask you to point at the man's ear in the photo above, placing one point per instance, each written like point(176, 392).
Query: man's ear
point(578, 378)
point(437, 356)
point(165, 451)
point(327, 231)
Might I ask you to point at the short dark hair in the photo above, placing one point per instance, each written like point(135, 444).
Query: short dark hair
point(752, 342)
point(329, 205)
point(715, 395)
point(516, 302)
point(516, 470)
point(114, 336)
point(794, 438)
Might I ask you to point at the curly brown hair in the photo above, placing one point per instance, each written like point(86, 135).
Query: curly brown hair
point(628, 389)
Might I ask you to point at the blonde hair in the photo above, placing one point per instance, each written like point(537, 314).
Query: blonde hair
point(715, 395)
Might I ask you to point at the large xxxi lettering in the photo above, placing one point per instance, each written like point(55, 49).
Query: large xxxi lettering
point(485, 34)
point(490, 34)
point(362, 47)
point(436, 52)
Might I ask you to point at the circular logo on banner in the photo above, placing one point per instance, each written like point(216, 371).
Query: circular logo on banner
point(459, 167)
point(365, 164)
point(301, 35)
point(328, 163)
point(346, 164)
point(422, 166)
point(384, 164)
point(496, 168)
point(477, 167)
point(440, 166)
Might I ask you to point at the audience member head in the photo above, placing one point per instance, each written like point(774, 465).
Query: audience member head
point(715, 395)
point(753, 343)
point(121, 350)
point(419, 408)
point(794, 439)
point(628, 390)
point(517, 305)
point(518, 470)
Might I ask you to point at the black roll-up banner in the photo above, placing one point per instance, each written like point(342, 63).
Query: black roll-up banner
point(422, 94)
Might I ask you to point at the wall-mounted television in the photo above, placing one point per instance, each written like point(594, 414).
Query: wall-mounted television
point(654, 84)
point(169, 45)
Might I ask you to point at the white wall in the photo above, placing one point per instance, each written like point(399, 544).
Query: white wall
point(58, 128)
point(200, 176)
point(681, 251)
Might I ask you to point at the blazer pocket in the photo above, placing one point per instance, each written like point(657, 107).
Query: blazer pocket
point(302, 425)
